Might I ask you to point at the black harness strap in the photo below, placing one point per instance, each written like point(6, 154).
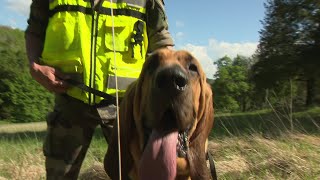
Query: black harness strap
point(102, 10)
point(70, 8)
point(123, 12)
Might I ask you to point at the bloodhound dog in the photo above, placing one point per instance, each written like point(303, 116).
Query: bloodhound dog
point(165, 120)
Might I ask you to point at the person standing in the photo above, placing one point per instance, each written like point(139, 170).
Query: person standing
point(71, 46)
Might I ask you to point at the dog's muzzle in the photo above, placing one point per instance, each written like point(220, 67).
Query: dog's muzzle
point(171, 80)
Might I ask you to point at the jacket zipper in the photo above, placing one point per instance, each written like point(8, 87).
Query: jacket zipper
point(93, 51)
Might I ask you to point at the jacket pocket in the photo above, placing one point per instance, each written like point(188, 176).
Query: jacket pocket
point(128, 39)
point(62, 37)
point(121, 36)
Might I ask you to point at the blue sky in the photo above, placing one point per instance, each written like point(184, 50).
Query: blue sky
point(209, 29)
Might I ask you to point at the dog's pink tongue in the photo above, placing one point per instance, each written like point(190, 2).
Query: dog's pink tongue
point(159, 159)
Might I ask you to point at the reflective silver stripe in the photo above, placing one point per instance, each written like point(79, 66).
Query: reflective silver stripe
point(123, 82)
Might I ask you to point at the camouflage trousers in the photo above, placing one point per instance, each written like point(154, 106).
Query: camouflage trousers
point(70, 129)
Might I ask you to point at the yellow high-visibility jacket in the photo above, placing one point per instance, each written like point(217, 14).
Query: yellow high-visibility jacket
point(79, 41)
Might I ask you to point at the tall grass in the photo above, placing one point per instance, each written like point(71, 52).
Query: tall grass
point(267, 144)
point(267, 122)
point(21, 156)
point(256, 145)
point(294, 156)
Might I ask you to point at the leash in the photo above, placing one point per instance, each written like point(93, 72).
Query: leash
point(117, 95)
point(212, 166)
point(91, 90)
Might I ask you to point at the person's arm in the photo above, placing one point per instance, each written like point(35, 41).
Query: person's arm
point(157, 26)
point(47, 76)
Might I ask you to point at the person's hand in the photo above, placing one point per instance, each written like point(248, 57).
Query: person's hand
point(49, 77)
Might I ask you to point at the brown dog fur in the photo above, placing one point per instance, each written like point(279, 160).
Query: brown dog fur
point(136, 104)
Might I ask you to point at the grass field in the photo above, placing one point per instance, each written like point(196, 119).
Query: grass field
point(259, 145)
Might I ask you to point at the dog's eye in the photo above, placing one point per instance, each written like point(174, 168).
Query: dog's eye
point(152, 65)
point(193, 68)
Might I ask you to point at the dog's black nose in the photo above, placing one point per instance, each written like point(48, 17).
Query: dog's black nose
point(172, 79)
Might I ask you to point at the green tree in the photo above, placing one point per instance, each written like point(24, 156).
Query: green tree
point(21, 98)
point(231, 86)
point(289, 45)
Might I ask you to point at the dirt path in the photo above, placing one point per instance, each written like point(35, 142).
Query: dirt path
point(20, 127)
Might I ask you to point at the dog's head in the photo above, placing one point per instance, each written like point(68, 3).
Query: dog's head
point(170, 91)
point(170, 110)
point(173, 92)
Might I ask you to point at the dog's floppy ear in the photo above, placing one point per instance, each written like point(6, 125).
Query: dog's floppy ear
point(138, 105)
point(127, 130)
point(206, 102)
point(131, 132)
point(197, 153)
point(131, 127)
point(142, 90)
